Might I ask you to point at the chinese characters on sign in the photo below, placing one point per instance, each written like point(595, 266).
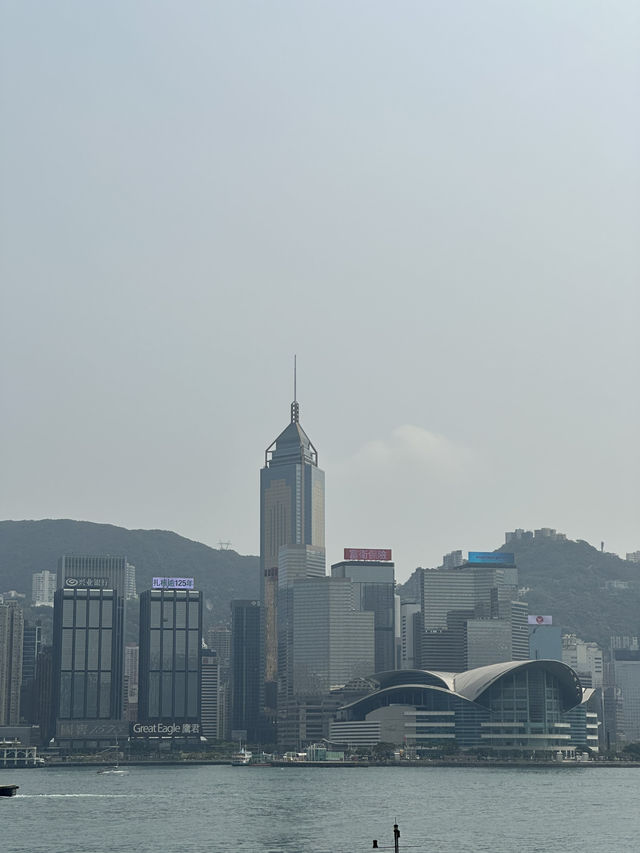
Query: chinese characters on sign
point(367, 554)
point(86, 583)
point(172, 583)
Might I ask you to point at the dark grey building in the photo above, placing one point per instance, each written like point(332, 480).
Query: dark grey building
point(169, 664)
point(11, 633)
point(245, 667)
point(87, 667)
point(373, 585)
point(31, 645)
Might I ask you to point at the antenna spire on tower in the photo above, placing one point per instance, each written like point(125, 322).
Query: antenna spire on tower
point(295, 408)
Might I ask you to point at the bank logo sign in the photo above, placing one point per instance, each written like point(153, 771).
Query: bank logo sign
point(172, 583)
point(86, 583)
point(540, 620)
point(164, 729)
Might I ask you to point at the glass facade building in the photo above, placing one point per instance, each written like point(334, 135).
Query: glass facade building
point(88, 655)
point(373, 585)
point(169, 661)
point(245, 667)
point(291, 513)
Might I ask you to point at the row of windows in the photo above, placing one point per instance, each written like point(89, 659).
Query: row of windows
point(173, 695)
point(174, 650)
point(91, 612)
point(173, 612)
point(85, 696)
point(86, 649)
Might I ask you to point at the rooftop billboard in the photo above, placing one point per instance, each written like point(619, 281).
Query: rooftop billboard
point(540, 620)
point(172, 583)
point(498, 558)
point(383, 554)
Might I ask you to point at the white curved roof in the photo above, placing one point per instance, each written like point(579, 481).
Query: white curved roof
point(474, 682)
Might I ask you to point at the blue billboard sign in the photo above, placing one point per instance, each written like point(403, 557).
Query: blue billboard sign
point(492, 558)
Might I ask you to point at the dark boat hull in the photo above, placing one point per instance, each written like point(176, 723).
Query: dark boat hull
point(8, 790)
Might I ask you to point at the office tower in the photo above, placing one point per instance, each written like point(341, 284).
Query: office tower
point(245, 667)
point(43, 695)
point(626, 666)
point(92, 572)
point(11, 637)
point(332, 642)
point(209, 695)
point(373, 584)
point(31, 644)
point(291, 513)
point(328, 643)
point(471, 615)
point(545, 642)
point(88, 635)
point(43, 587)
point(219, 641)
point(169, 670)
point(295, 563)
point(408, 611)
point(130, 685)
point(397, 634)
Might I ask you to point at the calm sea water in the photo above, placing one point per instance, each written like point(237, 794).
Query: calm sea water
point(315, 810)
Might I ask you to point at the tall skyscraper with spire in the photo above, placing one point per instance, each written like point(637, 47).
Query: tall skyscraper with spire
point(291, 513)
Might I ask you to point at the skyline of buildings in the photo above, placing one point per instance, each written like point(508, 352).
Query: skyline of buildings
point(313, 645)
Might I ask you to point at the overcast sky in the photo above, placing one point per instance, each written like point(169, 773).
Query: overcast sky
point(436, 205)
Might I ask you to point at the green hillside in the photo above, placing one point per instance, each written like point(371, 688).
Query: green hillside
point(31, 546)
point(567, 580)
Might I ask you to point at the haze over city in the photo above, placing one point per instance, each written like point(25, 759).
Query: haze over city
point(435, 206)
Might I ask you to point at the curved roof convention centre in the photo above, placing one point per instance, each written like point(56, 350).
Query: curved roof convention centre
point(468, 686)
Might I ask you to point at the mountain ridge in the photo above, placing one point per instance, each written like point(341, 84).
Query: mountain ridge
point(29, 546)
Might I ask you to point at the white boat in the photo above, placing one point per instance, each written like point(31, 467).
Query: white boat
point(241, 758)
point(113, 771)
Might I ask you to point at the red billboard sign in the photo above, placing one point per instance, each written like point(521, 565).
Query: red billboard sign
point(383, 554)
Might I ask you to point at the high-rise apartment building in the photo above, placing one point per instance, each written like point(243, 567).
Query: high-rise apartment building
point(11, 639)
point(130, 685)
point(88, 635)
point(219, 641)
point(169, 669)
point(587, 659)
point(210, 715)
point(291, 513)
point(373, 585)
point(245, 667)
point(43, 587)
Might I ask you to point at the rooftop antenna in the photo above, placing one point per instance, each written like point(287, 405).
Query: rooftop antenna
point(295, 408)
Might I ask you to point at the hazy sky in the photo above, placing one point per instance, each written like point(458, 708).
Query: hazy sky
point(436, 205)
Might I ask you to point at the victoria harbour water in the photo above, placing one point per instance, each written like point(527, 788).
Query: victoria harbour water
point(317, 810)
